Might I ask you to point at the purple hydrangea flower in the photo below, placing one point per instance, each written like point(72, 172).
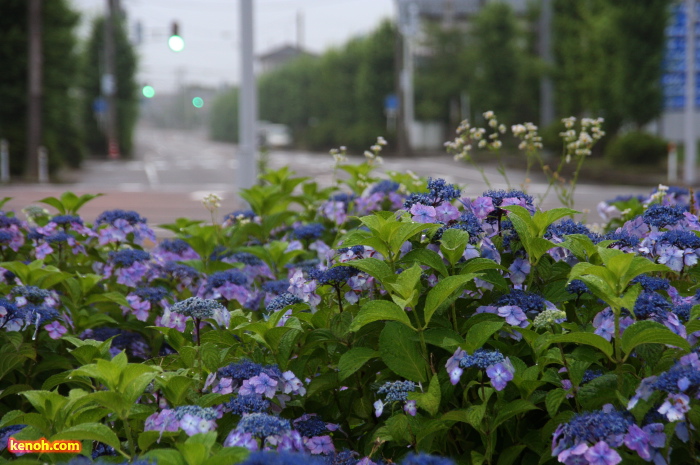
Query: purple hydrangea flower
point(637, 440)
point(675, 407)
point(514, 316)
point(602, 454)
point(500, 374)
point(423, 213)
point(55, 329)
point(320, 445)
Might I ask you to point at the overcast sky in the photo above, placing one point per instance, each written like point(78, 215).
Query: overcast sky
point(211, 32)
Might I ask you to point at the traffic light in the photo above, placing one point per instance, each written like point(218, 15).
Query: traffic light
point(175, 42)
point(198, 102)
point(148, 91)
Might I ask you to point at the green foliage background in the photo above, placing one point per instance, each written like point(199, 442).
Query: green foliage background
point(62, 133)
point(70, 84)
point(608, 61)
point(127, 90)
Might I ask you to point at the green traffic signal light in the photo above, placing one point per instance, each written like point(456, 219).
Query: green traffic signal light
point(176, 43)
point(198, 102)
point(148, 91)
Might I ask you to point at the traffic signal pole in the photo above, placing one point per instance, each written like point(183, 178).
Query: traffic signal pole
point(689, 116)
point(34, 107)
point(109, 81)
point(247, 108)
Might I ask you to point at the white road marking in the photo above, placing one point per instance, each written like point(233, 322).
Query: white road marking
point(151, 174)
point(131, 187)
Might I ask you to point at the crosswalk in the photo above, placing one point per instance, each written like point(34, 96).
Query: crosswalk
point(185, 162)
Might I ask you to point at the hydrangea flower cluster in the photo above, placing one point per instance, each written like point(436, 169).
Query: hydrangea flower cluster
point(128, 265)
point(654, 306)
point(384, 195)
point(46, 240)
point(181, 277)
point(256, 431)
point(239, 217)
point(115, 226)
point(593, 437)
point(517, 306)
point(282, 301)
point(604, 323)
point(488, 206)
point(230, 285)
point(251, 403)
point(426, 459)
point(498, 368)
point(142, 299)
point(200, 309)
point(680, 383)
point(33, 306)
point(675, 249)
point(174, 250)
point(12, 318)
point(396, 391)
point(308, 232)
point(247, 378)
point(338, 207)
point(11, 232)
point(436, 205)
point(191, 419)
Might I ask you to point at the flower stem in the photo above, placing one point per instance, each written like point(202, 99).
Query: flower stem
point(618, 349)
point(196, 331)
point(340, 298)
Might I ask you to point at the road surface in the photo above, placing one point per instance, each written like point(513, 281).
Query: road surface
point(173, 170)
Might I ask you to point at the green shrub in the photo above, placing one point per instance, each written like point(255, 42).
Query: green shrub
point(636, 148)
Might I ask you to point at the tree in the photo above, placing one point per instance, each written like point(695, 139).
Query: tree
point(493, 62)
point(496, 63)
point(609, 55)
point(62, 134)
point(335, 99)
point(126, 91)
point(442, 77)
point(639, 36)
point(224, 117)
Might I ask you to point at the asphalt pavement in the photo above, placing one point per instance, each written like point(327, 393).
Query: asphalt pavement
point(172, 171)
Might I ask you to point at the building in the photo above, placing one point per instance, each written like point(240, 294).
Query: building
point(279, 56)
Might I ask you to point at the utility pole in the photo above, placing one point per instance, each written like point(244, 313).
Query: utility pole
point(300, 30)
point(109, 80)
point(248, 108)
point(545, 46)
point(408, 18)
point(689, 116)
point(34, 103)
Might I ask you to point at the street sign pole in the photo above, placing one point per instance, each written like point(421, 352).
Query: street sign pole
point(247, 111)
point(689, 116)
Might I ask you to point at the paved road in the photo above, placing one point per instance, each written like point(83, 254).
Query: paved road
point(173, 170)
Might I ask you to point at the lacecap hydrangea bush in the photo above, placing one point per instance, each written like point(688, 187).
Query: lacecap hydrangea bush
point(378, 321)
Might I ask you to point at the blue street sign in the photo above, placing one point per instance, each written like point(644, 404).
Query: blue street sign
point(674, 62)
point(391, 102)
point(99, 105)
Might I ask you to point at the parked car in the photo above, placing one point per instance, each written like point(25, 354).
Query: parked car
point(274, 135)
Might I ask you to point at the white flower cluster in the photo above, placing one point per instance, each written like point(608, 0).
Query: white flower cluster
point(467, 136)
point(340, 155)
point(492, 143)
point(530, 140)
point(211, 202)
point(372, 155)
point(580, 144)
point(659, 195)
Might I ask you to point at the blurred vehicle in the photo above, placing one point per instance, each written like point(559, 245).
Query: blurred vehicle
point(274, 135)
